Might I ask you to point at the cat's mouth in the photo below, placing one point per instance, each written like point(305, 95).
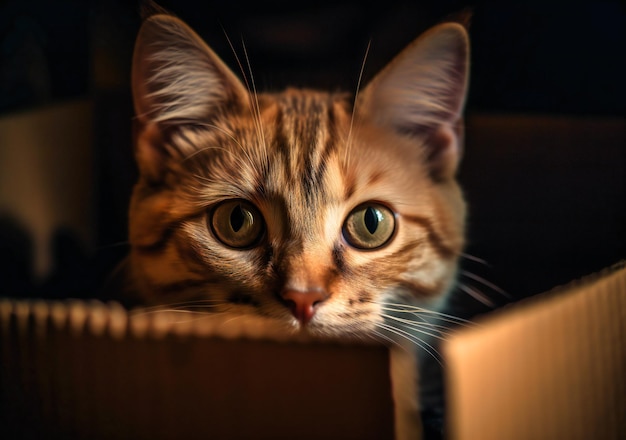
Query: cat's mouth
point(300, 307)
point(311, 312)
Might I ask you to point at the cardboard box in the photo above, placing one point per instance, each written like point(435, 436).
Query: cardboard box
point(75, 370)
point(552, 367)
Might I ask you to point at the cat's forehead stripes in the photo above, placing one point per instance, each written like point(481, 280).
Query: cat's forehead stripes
point(303, 135)
point(304, 129)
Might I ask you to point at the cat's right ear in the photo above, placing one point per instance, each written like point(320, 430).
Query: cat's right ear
point(176, 79)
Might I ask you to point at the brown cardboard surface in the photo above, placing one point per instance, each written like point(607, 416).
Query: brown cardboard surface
point(551, 368)
point(91, 371)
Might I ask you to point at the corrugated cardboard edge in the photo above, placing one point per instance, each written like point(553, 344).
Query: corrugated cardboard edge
point(97, 318)
point(549, 367)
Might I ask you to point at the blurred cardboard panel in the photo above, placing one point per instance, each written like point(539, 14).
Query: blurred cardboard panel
point(76, 370)
point(551, 368)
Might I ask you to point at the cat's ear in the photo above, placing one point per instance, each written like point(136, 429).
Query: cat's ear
point(176, 77)
point(421, 93)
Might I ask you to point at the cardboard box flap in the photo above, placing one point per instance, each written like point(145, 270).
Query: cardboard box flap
point(76, 370)
point(553, 367)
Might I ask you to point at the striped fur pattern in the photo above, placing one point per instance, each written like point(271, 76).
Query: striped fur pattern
point(304, 160)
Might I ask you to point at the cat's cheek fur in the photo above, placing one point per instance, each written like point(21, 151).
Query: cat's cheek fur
point(147, 216)
point(153, 273)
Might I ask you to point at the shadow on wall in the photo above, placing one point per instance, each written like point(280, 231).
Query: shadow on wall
point(75, 272)
point(16, 258)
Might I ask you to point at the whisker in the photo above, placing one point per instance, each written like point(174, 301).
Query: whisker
point(477, 295)
point(387, 338)
point(157, 311)
point(151, 312)
point(243, 71)
point(356, 95)
point(422, 323)
point(400, 308)
point(256, 100)
point(181, 311)
point(255, 113)
point(425, 323)
point(233, 318)
point(475, 259)
point(192, 302)
point(406, 308)
point(409, 324)
point(181, 305)
point(411, 338)
point(485, 283)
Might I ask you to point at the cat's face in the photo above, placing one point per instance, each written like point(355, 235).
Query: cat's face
point(291, 205)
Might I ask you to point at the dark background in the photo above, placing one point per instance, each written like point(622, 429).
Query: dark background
point(538, 216)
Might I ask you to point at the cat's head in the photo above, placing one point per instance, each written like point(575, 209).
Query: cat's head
point(315, 209)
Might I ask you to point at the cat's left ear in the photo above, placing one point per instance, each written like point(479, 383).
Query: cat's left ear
point(421, 93)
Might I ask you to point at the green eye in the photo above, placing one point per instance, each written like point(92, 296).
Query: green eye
point(369, 226)
point(237, 224)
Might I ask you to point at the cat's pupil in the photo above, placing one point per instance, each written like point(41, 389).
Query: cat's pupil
point(237, 218)
point(371, 220)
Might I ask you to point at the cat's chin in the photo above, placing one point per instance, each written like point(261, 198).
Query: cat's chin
point(236, 324)
point(318, 328)
point(344, 331)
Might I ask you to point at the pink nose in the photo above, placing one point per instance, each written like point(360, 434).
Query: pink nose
point(303, 304)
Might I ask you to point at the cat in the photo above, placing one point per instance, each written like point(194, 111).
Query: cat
point(328, 213)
